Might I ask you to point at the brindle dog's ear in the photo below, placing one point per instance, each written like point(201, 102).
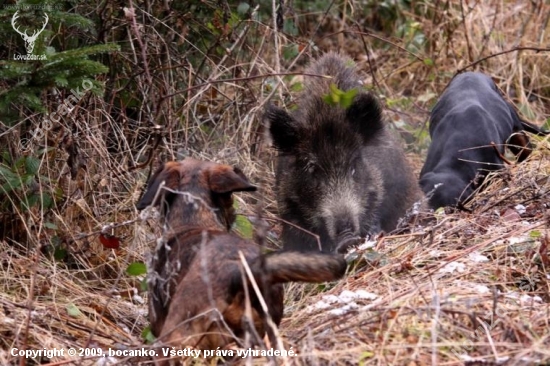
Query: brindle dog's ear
point(224, 179)
point(169, 173)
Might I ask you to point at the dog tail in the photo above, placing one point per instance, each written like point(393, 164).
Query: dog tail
point(289, 266)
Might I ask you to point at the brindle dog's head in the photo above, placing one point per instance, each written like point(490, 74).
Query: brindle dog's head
point(193, 191)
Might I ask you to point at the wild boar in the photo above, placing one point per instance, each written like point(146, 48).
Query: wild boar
point(340, 172)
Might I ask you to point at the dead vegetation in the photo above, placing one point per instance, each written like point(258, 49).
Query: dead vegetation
point(456, 288)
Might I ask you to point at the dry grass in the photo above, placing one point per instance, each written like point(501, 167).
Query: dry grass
point(484, 312)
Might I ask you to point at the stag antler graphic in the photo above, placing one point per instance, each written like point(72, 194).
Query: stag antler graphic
point(29, 40)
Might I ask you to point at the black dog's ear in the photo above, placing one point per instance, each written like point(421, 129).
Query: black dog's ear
point(518, 142)
point(519, 145)
point(169, 173)
point(283, 129)
point(225, 179)
point(365, 115)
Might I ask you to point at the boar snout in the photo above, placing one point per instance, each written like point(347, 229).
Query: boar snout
point(344, 228)
point(345, 244)
point(341, 212)
point(342, 225)
point(346, 235)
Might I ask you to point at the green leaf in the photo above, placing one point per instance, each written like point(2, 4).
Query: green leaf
point(243, 8)
point(289, 27)
point(28, 179)
point(234, 20)
point(347, 98)
point(338, 97)
point(331, 99)
point(143, 285)
point(136, 269)
point(297, 87)
point(244, 227)
point(59, 253)
point(6, 157)
point(428, 62)
point(290, 52)
point(147, 335)
point(535, 234)
point(50, 225)
point(32, 165)
point(73, 310)
point(365, 356)
point(9, 180)
point(47, 201)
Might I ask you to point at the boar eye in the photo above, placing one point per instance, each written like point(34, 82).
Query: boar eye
point(309, 167)
point(355, 164)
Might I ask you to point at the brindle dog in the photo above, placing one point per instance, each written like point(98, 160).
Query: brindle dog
point(196, 286)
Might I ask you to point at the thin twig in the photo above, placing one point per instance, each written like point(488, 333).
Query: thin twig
point(248, 78)
point(536, 49)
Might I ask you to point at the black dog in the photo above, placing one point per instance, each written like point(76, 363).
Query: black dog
point(470, 126)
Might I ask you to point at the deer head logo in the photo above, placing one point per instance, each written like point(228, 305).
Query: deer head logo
point(29, 40)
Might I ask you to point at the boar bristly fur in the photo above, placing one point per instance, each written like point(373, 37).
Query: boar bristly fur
point(340, 173)
point(196, 286)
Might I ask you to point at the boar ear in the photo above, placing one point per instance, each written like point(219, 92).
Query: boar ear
point(224, 179)
point(365, 115)
point(169, 174)
point(283, 129)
